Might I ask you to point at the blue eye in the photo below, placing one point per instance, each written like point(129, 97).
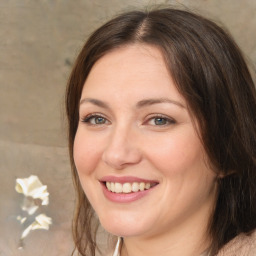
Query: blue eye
point(160, 121)
point(95, 120)
point(99, 120)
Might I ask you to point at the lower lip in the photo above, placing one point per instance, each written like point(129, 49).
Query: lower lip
point(123, 197)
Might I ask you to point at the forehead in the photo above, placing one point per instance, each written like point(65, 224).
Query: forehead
point(134, 70)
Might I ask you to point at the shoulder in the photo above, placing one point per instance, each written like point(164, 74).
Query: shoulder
point(242, 245)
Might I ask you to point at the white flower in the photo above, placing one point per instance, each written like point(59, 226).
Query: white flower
point(33, 187)
point(41, 222)
point(36, 193)
point(22, 220)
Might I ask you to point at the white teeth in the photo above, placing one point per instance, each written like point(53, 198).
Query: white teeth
point(108, 185)
point(147, 186)
point(135, 187)
point(127, 187)
point(118, 188)
point(142, 186)
point(112, 187)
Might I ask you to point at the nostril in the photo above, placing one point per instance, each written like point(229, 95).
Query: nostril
point(120, 158)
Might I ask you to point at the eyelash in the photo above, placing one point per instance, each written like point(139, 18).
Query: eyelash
point(90, 117)
point(167, 120)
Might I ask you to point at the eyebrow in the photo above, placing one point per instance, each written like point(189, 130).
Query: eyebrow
point(140, 104)
point(148, 102)
point(96, 102)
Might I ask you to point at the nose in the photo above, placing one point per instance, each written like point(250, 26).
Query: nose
point(122, 149)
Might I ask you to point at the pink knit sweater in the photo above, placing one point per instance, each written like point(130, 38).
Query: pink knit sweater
point(241, 245)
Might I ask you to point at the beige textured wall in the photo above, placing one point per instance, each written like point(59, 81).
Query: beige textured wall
point(38, 43)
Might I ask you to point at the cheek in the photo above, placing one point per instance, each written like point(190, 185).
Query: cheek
point(177, 152)
point(87, 153)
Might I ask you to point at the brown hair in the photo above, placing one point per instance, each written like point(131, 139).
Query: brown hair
point(210, 72)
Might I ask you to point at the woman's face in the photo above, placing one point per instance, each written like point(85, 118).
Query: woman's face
point(137, 153)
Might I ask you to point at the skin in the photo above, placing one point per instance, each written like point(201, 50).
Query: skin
point(148, 140)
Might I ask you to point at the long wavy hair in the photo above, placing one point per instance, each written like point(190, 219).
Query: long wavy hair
point(210, 72)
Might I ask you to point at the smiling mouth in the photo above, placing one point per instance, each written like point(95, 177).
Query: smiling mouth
point(128, 187)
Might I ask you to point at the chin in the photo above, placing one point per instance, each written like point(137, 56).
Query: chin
point(117, 226)
point(122, 232)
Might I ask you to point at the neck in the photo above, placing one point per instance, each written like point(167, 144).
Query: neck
point(188, 239)
point(187, 246)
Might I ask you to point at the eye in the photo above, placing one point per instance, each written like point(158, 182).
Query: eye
point(95, 120)
point(160, 121)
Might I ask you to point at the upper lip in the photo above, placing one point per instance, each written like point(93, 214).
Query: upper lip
point(124, 179)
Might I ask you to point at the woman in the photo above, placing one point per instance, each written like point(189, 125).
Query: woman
point(162, 137)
